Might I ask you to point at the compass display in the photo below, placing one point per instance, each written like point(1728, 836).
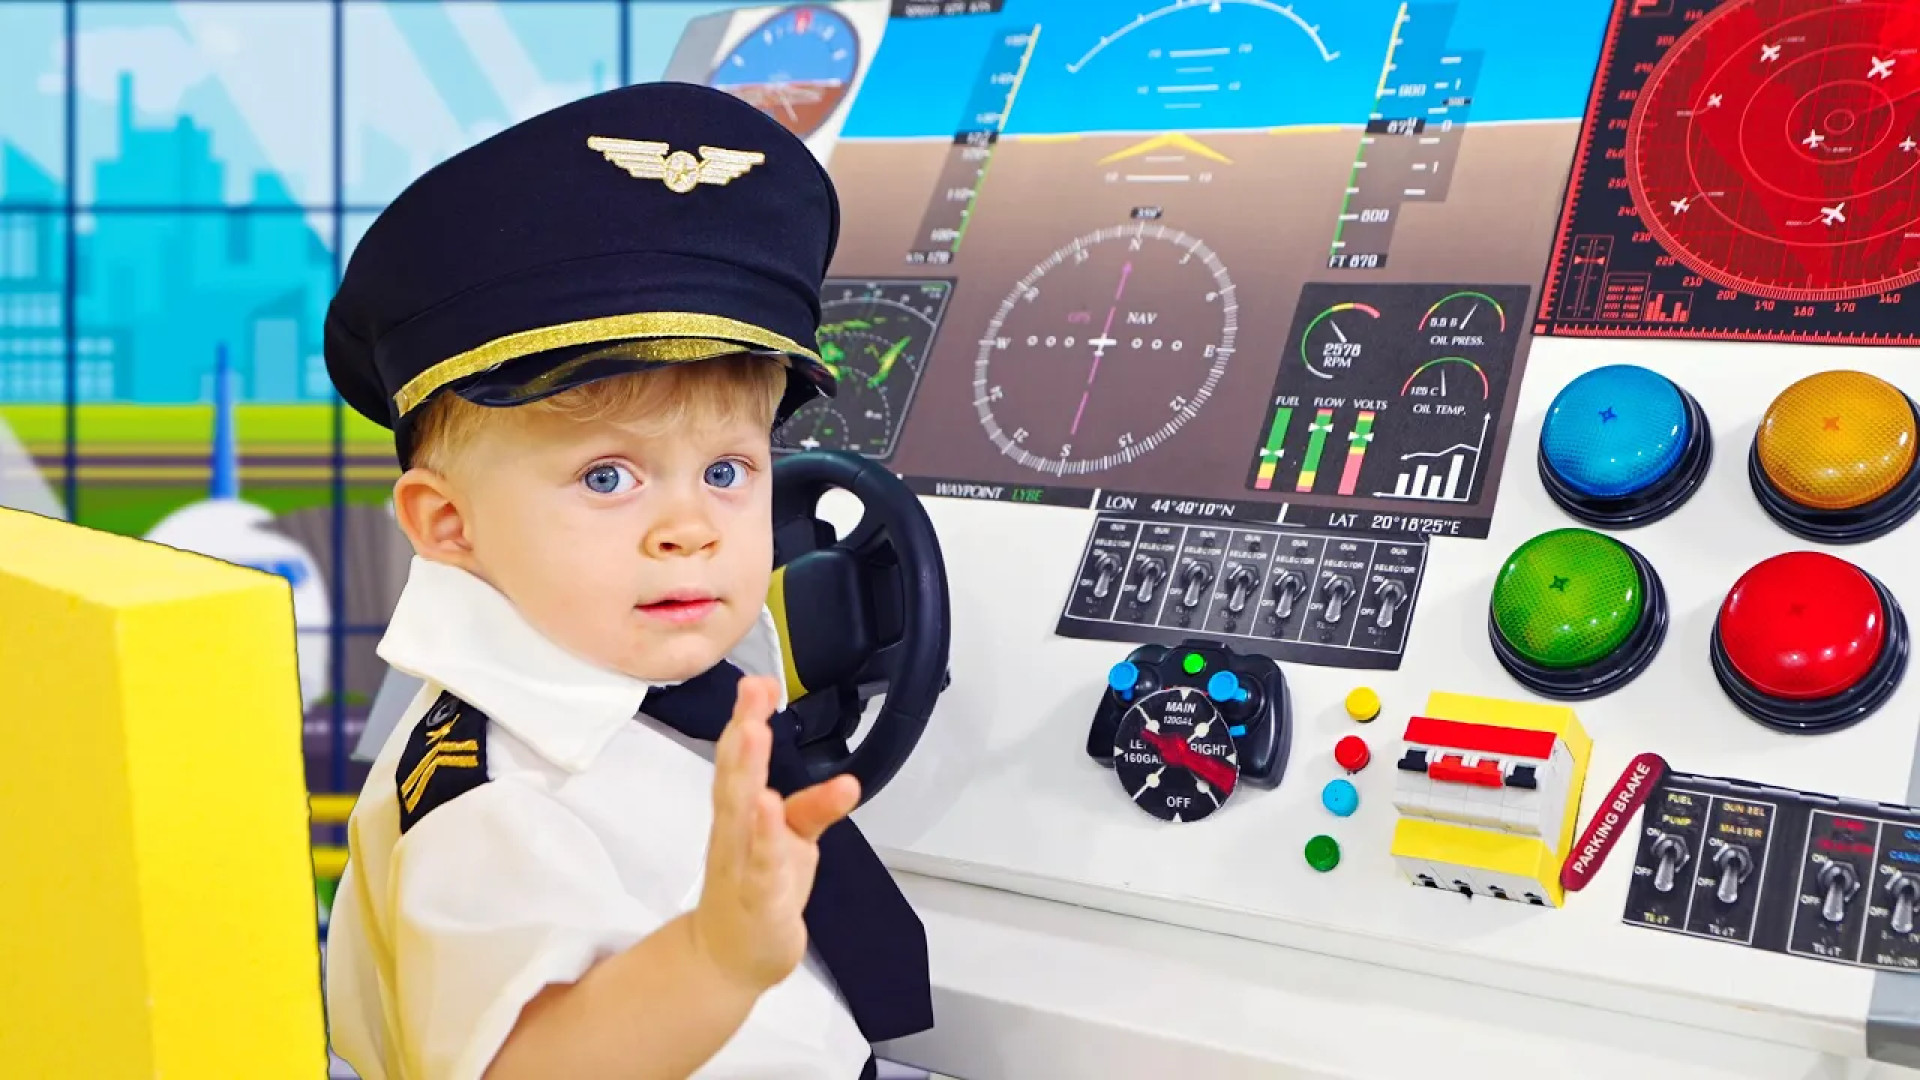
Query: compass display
point(874, 335)
point(796, 67)
point(1105, 350)
point(1175, 756)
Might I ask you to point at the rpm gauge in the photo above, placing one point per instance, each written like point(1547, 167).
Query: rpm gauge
point(1105, 350)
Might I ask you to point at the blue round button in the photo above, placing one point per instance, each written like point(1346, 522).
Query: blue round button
point(1224, 687)
point(1340, 798)
point(1614, 431)
point(1623, 447)
point(1123, 677)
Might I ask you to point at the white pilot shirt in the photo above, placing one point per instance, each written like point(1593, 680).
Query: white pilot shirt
point(590, 833)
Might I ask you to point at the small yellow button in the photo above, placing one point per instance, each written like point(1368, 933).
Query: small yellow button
point(1363, 704)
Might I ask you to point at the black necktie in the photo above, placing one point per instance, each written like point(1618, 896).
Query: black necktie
point(863, 929)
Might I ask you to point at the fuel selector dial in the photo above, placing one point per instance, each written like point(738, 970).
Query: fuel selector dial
point(1185, 727)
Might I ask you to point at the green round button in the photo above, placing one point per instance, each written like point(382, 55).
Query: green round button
point(1194, 663)
point(1323, 853)
point(1568, 598)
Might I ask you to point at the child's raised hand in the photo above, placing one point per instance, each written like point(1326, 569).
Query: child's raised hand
point(762, 854)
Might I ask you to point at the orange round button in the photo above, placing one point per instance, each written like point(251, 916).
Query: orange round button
point(1833, 459)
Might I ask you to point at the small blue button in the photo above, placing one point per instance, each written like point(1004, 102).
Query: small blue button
point(1238, 731)
point(1224, 687)
point(1614, 431)
point(1123, 677)
point(1340, 798)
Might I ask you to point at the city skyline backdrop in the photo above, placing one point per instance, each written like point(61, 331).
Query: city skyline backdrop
point(180, 180)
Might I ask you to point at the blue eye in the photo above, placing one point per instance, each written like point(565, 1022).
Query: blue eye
point(726, 474)
point(606, 479)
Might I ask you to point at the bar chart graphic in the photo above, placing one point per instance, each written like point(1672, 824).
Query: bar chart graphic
point(1440, 475)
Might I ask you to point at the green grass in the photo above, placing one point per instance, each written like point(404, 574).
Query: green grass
point(134, 511)
point(191, 424)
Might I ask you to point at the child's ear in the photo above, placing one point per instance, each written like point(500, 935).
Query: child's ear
point(424, 507)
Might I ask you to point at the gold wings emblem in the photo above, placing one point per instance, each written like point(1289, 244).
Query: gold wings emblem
point(679, 170)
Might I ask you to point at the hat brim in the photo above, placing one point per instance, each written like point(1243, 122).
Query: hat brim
point(554, 371)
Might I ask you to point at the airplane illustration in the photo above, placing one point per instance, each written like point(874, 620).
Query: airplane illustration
point(1813, 138)
point(1833, 215)
point(1881, 69)
point(1769, 53)
point(226, 527)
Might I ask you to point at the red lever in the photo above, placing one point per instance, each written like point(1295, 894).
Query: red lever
point(1455, 770)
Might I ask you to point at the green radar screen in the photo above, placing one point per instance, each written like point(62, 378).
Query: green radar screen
point(874, 337)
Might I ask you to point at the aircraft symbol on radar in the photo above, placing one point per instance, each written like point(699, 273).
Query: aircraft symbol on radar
point(1769, 53)
point(1813, 139)
point(224, 527)
point(1881, 69)
point(1833, 215)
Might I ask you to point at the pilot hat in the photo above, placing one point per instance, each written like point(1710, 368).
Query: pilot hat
point(654, 224)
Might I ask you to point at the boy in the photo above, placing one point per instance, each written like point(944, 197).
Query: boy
point(582, 332)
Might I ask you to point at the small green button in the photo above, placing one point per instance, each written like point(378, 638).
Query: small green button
point(1194, 663)
point(1323, 853)
point(1568, 598)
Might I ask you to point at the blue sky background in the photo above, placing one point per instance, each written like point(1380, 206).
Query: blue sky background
point(219, 104)
point(1539, 63)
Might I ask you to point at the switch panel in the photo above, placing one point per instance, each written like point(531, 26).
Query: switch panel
point(1786, 871)
point(1487, 793)
point(1309, 596)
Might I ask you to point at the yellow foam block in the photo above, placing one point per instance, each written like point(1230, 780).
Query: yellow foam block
point(158, 915)
point(1490, 849)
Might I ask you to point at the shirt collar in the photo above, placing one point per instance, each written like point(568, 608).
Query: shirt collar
point(453, 629)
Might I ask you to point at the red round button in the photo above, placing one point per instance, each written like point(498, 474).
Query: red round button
point(1352, 753)
point(1803, 625)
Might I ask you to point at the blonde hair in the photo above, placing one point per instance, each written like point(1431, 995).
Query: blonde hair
point(721, 389)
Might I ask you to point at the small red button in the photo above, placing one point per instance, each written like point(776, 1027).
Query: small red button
point(1352, 753)
point(1802, 626)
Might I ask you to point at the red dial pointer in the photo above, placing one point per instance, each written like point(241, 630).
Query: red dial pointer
point(1175, 751)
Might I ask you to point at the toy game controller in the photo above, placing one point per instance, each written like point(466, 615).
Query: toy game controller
point(1183, 726)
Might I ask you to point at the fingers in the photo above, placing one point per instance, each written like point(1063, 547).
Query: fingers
point(771, 851)
point(740, 770)
point(811, 812)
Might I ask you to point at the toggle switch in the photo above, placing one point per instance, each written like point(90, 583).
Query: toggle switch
point(1391, 595)
point(1288, 587)
point(1672, 853)
point(1104, 567)
point(1339, 589)
point(1841, 882)
point(1905, 889)
point(1734, 865)
point(1195, 576)
point(1151, 571)
point(1241, 581)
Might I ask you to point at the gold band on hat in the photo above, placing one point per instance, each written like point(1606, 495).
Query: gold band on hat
point(668, 336)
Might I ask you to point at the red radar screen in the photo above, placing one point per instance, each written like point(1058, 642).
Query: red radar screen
point(1748, 169)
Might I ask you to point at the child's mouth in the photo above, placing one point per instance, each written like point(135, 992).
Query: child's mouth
point(680, 609)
